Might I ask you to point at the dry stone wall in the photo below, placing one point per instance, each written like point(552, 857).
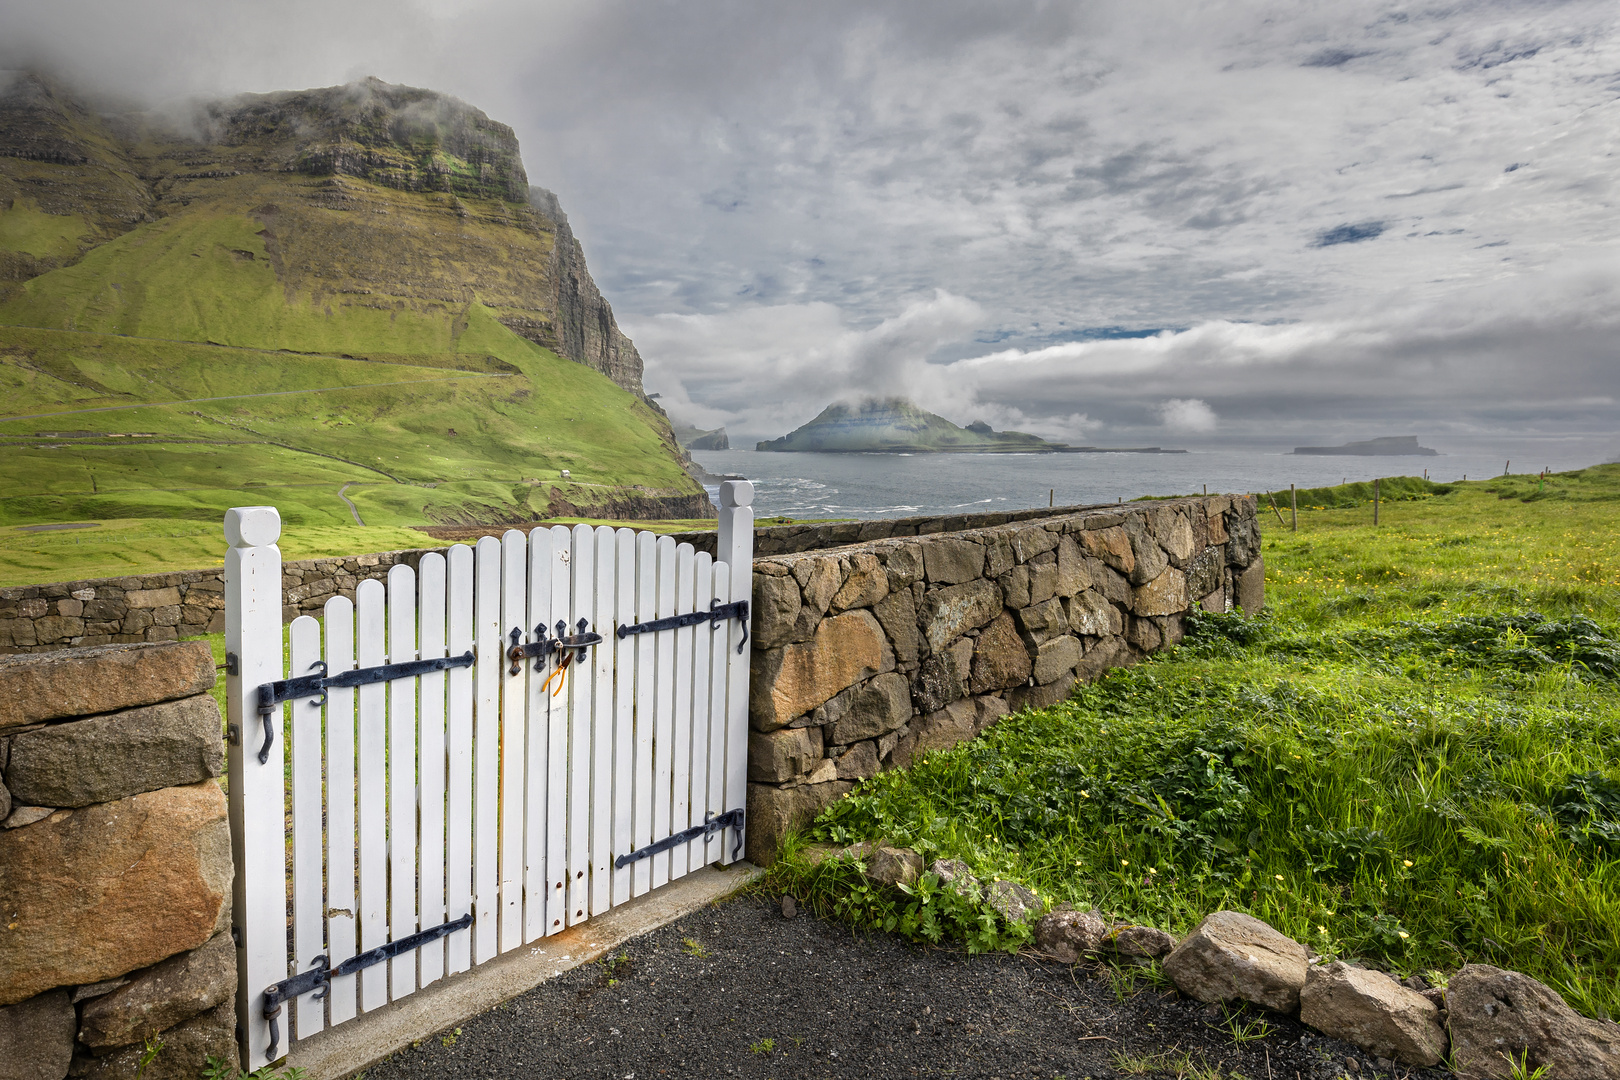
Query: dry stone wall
point(115, 866)
point(168, 607)
point(869, 654)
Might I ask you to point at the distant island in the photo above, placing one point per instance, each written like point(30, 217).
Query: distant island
point(896, 426)
point(694, 438)
point(1388, 446)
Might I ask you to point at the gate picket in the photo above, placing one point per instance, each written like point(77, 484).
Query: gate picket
point(422, 797)
point(555, 899)
point(624, 748)
point(646, 690)
point(341, 925)
point(490, 666)
point(373, 791)
point(304, 741)
point(431, 766)
point(458, 834)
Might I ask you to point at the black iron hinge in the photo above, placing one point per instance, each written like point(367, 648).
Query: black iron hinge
point(272, 694)
point(730, 819)
point(319, 976)
point(717, 613)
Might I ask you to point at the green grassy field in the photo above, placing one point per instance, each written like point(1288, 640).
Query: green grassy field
point(1412, 758)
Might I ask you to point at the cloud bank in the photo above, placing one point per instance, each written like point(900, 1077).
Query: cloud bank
point(1096, 220)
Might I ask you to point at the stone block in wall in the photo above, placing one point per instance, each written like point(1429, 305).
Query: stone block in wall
point(36, 1038)
point(1108, 581)
point(819, 580)
point(865, 585)
point(998, 554)
point(152, 598)
point(1015, 587)
point(1091, 615)
point(773, 812)
point(784, 754)
point(1149, 558)
point(877, 708)
point(948, 613)
point(100, 891)
point(790, 681)
point(1250, 587)
point(1174, 533)
point(1055, 659)
point(162, 996)
point(1243, 542)
point(1073, 575)
point(859, 762)
point(943, 677)
point(897, 614)
point(775, 610)
point(1215, 522)
point(1040, 697)
point(903, 564)
point(1043, 578)
point(999, 657)
point(1204, 571)
point(1030, 542)
point(186, 1049)
point(85, 682)
point(1040, 623)
point(1106, 653)
point(1215, 602)
point(1164, 595)
point(1143, 633)
point(1112, 546)
point(118, 754)
point(948, 561)
point(944, 728)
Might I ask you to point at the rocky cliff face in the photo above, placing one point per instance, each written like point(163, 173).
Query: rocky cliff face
point(370, 196)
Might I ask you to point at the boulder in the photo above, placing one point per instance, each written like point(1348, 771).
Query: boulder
point(1164, 595)
point(865, 585)
point(892, 866)
point(954, 876)
point(1235, 957)
point(100, 891)
point(1373, 1011)
point(103, 679)
point(774, 812)
point(162, 996)
point(1250, 587)
point(1129, 939)
point(36, 1038)
point(1067, 935)
point(946, 614)
point(784, 754)
point(119, 754)
point(794, 679)
point(1013, 902)
point(1000, 659)
point(877, 708)
point(775, 610)
point(185, 1053)
point(948, 561)
point(1495, 1014)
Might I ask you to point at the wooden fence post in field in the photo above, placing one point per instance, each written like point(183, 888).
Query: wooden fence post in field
point(1293, 507)
point(1375, 500)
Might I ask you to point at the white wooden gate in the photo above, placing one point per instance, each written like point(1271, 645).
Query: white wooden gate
point(433, 780)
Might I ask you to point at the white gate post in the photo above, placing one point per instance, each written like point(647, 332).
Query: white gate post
point(257, 795)
point(736, 550)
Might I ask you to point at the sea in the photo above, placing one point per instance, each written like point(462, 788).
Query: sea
point(801, 486)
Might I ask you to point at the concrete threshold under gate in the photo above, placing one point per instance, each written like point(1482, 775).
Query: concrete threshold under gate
point(360, 1043)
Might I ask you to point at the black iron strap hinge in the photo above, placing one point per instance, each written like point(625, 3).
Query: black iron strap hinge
point(711, 825)
point(319, 976)
point(272, 694)
point(717, 613)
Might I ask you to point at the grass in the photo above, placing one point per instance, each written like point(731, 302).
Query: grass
point(1412, 759)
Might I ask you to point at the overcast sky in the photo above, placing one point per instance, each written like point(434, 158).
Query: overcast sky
point(1189, 223)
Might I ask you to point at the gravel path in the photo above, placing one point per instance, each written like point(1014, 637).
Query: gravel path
point(737, 990)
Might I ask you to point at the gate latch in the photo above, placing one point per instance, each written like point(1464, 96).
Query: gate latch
point(573, 645)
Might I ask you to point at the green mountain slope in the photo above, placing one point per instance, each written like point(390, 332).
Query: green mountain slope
point(895, 425)
point(348, 296)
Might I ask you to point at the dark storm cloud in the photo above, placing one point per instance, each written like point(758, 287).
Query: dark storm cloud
point(781, 198)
